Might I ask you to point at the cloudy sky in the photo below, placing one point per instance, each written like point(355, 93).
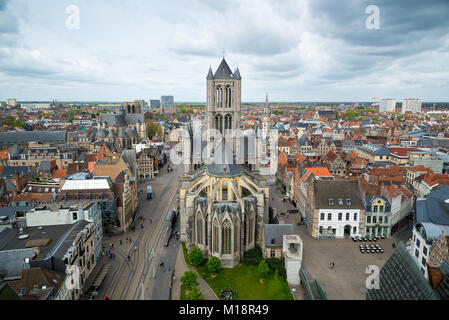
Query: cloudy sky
point(311, 50)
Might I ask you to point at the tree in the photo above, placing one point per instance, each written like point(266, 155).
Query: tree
point(195, 294)
point(189, 279)
point(93, 115)
point(214, 264)
point(153, 129)
point(263, 269)
point(195, 256)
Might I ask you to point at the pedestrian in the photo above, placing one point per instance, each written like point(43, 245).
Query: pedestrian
point(129, 258)
point(135, 249)
point(112, 245)
point(121, 242)
point(113, 256)
point(174, 245)
point(392, 245)
point(169, 268)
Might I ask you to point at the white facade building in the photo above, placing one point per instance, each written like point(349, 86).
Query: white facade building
point(411, 105)
point(387, 105)
point(336, 223)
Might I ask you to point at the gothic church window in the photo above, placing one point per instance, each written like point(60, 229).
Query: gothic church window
point(226, 237)
point(216, 230)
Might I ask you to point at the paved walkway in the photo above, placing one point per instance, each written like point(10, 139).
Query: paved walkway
point(182, 267)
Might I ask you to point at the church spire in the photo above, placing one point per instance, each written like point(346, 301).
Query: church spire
point(266, 101)
point(237, 74)
point(210, 75)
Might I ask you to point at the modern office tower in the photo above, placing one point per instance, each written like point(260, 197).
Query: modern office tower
point(167, 102)
point(155, 103)
point(387, 105)
point(411, 105)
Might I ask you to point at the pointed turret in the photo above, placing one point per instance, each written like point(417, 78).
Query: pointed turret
point(237, 74)
point(209, 74)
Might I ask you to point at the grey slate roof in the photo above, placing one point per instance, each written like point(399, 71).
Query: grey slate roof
point(433, 208)
point(209, 74)
point(224, 164)
point(401, 279)
point(10, 171)
point(223, 71)
point(24, 137)
point(274, 234)
point(337, 189)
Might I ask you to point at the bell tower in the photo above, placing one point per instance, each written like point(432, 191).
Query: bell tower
point(224, 100)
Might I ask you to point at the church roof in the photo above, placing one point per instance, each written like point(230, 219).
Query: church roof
point(224, 163)
point(237, 75)
point(223, 70)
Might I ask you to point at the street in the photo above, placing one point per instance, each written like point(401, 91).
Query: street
point(146, 248)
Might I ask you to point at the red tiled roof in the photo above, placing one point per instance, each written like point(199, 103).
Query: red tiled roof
point(59, 173)
point(319, 171)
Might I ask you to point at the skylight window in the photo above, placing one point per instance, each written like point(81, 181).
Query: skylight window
point(340, 202)
point(348, 202)
point(331, 202)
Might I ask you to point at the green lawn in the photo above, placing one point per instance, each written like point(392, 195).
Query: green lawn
point(244, 280)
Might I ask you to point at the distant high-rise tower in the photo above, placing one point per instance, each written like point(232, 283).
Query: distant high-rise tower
point(411, 105)
point(387, 105)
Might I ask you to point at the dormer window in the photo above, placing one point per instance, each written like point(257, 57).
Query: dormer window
point(331, 202)
point(340, 202)
point(348, 202)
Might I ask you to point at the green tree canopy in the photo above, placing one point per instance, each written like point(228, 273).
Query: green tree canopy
point(195, 294)
point(153, 129)
point(214, 264)
point(189, 279)
point(263, 269)
point(195, 256)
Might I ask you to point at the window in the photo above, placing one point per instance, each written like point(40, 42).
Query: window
point(321, 230)
point(374, 219)
point(418, 243)
point(347, 216)
point(348, 202)
point(368, 219)
point(385, 219)
point(424, 250)
point(329, 216)
point(226, 237)
point(322, 216)
point(340, 215)
point(380, 219)
point(199, 229)
point(340, 202)
point(381, 208)
point(375, 209)
point(216, 244)
point(423, 261)
point(355, 216)
point(331, 202)
point(272, 253)
point(75, 215)
point(417, 253)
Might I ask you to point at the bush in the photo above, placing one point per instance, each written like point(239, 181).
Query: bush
point(189, 279)
point(195, 294)
point(195, 256)
point(214, 264)
point(277, 266)
point(263, 269)
point(252, 257)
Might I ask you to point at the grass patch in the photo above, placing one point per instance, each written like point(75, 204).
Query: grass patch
point(245, 280)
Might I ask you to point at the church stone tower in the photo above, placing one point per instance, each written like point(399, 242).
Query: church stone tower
point(224, 100)
point(266, 117)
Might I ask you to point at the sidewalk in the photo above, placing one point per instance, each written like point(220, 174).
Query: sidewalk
point(182, 267)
